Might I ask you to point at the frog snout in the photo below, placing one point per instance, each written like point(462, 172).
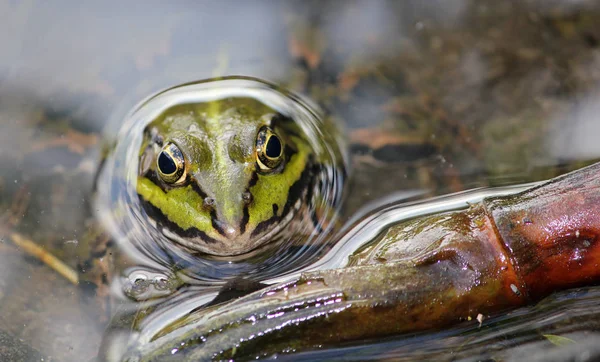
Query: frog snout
point(228, 214)
point(226, 229)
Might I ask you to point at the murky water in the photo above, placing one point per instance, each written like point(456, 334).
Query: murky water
point(481, 93)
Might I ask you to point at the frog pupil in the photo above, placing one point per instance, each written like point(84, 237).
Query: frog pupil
point(273, 148)
point(166, 164)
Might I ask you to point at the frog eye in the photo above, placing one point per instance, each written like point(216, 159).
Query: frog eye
point(269, 149)
point(171, 164)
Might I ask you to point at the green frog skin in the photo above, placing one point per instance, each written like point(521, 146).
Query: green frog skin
point(222, 177)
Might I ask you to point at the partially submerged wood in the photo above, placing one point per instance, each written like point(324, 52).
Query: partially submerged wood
point(421, 274)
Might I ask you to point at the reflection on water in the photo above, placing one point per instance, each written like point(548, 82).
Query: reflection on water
point(573, 133)
point(501, 92)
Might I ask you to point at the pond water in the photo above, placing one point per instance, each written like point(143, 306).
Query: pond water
point(458, 94)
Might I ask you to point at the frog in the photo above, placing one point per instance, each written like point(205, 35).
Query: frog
point(223, 177)
point(233, 173)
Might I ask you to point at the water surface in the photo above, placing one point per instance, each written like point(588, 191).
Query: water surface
point(482, 94)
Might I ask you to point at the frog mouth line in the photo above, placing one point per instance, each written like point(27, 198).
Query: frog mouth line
point(198, 241)
point(193, 244)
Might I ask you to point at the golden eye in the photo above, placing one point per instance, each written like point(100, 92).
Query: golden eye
point(269, 149)
point(171, 164)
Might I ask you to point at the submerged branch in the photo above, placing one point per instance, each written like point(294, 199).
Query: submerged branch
point(31, 248)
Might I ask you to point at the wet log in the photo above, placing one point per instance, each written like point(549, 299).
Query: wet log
point(421, 274)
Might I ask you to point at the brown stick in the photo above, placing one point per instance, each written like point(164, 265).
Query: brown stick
point(424, 273)
point(31, 248)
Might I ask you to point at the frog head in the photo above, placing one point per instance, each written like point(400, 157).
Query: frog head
point(222, 177)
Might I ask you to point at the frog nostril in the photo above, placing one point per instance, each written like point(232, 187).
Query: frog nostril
point(247, 197)
point(209, 202)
